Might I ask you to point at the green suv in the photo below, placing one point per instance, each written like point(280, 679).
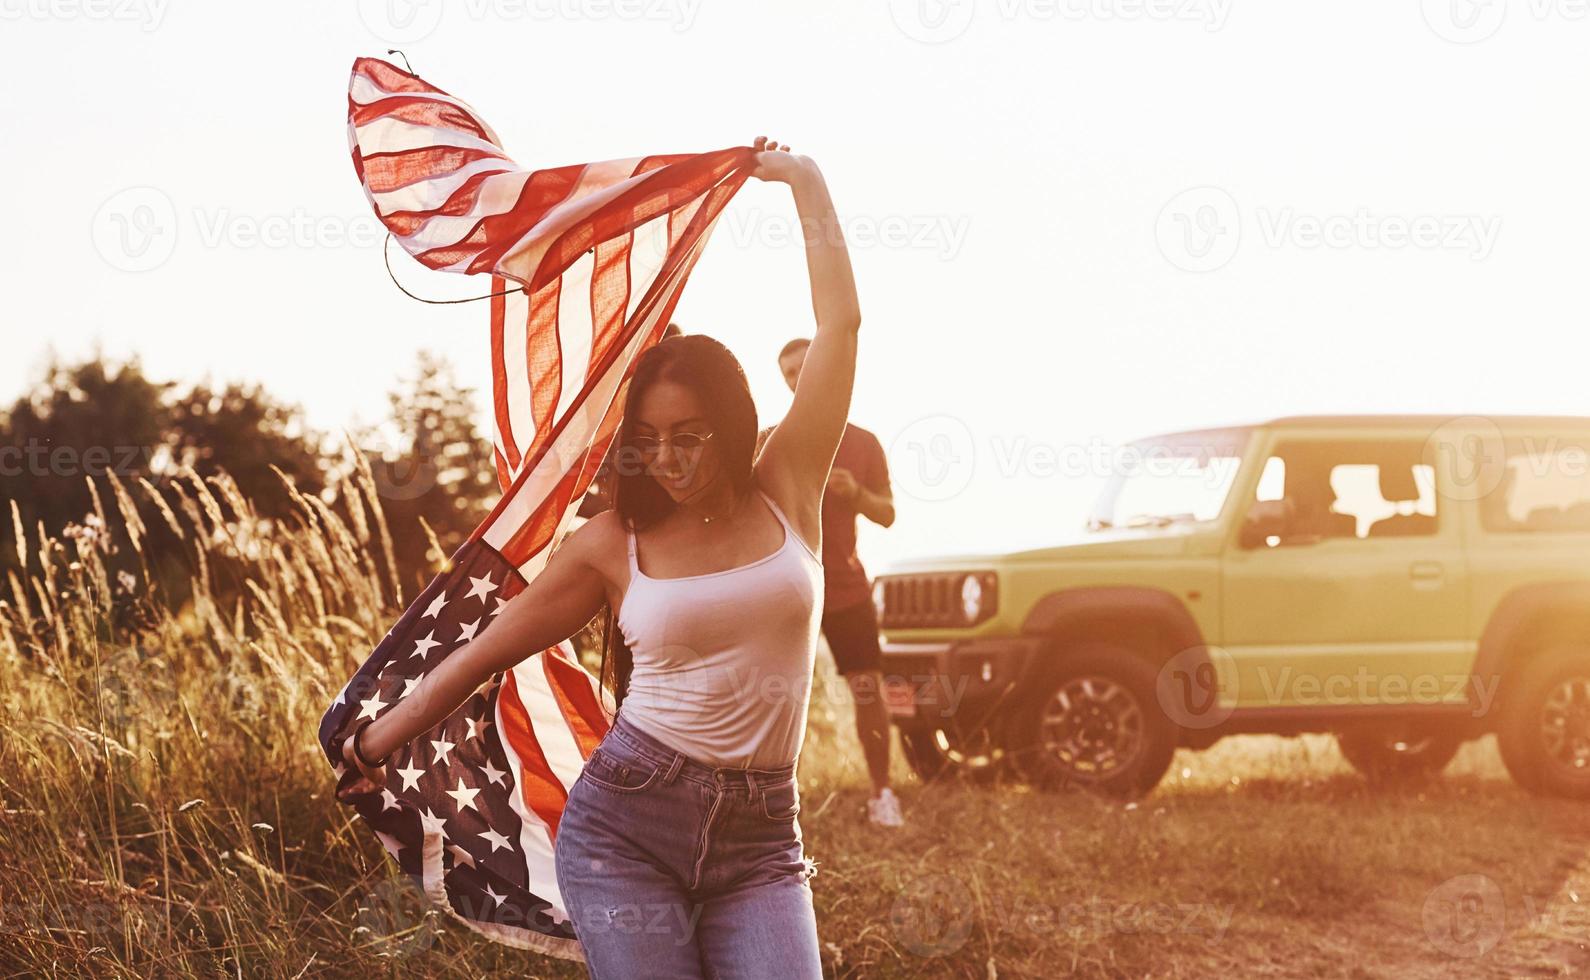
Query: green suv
point(1404, 582)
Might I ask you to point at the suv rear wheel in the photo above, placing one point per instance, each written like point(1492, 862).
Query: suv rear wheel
point(1096, 724)
point(1544, 734)
point(1388, 757)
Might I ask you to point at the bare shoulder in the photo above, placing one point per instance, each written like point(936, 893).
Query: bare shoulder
point(599, 540)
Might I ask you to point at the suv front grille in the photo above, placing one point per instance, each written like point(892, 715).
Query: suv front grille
point(929, 599)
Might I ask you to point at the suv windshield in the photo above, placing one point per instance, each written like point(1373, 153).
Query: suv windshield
point(1170, 479)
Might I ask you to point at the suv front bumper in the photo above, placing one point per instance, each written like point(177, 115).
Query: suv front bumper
point(955, 683)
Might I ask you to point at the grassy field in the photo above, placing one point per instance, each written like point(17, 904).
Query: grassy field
point(163, 810)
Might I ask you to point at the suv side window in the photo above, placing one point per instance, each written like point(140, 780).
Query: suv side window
point(1350, 490)
point(1544, 487)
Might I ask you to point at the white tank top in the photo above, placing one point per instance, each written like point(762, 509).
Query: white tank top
point(723, 661)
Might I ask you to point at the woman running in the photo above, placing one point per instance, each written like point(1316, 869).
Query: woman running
point(678, 853)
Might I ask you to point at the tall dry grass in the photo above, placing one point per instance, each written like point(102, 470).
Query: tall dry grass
point(164, 810)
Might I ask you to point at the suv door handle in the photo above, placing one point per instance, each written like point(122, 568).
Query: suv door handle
point(1427, 574)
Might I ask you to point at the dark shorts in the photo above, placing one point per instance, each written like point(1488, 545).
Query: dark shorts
point(852, 635)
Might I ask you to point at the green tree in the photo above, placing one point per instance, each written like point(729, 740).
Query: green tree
point(241, 429)
point(440, 469)
point(79, 421)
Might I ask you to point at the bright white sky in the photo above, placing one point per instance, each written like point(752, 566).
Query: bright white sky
point(1045, 282)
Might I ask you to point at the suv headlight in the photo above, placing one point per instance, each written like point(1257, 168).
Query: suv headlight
point(972, 598)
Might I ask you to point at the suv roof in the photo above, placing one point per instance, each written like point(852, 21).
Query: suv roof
point(1373, 421)
point(1313, 421)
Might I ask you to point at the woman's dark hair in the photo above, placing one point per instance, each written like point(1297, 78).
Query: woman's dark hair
point(707, 368)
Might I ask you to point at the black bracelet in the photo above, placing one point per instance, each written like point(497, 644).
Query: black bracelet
point(357, 754)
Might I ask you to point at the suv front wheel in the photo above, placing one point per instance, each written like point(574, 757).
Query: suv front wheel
point(937, 753)
point(1096, 724)
point(1544, 734)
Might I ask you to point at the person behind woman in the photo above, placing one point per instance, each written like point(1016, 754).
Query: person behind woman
point(678, 853)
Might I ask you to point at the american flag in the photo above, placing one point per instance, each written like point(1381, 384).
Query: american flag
point(595, 255)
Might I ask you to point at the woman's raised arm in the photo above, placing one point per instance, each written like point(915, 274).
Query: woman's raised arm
point(801, 449)
point(553, 607)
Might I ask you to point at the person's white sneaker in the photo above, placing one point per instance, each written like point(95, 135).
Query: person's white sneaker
point(884, 809)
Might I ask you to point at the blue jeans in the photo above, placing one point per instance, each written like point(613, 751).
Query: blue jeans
point(670, 867)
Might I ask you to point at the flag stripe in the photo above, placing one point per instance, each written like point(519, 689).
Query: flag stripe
point(539, 787)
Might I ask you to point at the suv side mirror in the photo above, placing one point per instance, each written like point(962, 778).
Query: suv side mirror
point(1266, 519)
